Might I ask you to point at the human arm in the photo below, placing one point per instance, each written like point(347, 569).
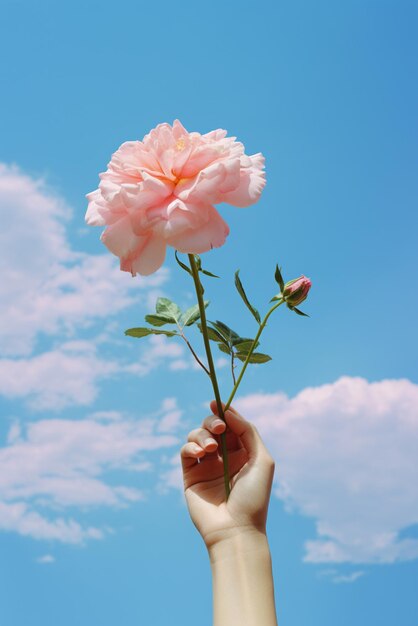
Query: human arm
point(233, 530)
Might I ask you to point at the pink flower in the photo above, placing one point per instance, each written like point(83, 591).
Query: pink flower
point(162, 191)
point(296, 290)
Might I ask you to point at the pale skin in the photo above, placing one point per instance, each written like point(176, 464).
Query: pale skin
point(234, 531)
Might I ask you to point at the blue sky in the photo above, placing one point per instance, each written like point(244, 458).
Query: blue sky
point(93, 526)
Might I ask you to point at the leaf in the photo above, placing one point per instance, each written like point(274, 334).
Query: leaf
point(223, 348)
point(279, 278)
point(244, 346)
point(240, 288)
point(299, 312)
point(238, 340)
point(182, 265)
point(168, 309)
point(158, 320)
point(213, 334)
point(256, 357)
point(144, 332)
point(227, 332)
point(209, 274)
point(190, 316)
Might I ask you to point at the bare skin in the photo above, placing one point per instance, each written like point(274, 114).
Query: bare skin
point(234, 531)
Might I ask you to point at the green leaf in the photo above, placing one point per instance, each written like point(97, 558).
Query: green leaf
point(299, 312)
point(168, 309)
point(279, 278)
point(182, 265)
point(223, 348)
point(213, 334)
point(144, 332)
point(209, 274)
point(244, 346)
point(191, 316)
point(238, 340)
point(240, 288)
point(256, 357)
point(276, 298)
point(225, 331)
point(158, 320)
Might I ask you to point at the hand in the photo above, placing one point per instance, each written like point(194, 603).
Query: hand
point(251, 469)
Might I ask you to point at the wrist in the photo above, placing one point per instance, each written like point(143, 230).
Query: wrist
point(245, 542)
point(242, 580)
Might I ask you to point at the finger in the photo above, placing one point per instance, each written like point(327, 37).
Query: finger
point(203, 438)
point(214, 424)
point(190, 453)
point(217, 426)
point(246, 431)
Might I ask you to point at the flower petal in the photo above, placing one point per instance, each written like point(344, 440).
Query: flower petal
point(150, 258)
point(93, 217)
point(178, 130)
point(211, 183)
point(144, 195)
point(129, 161)
point(201, 157)
point(204, 237)
point(100, 213)
point(161, 191)
point(252, 182)
point(183, 217)
point(120, 239)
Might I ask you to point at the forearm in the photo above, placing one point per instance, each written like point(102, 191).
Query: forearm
point(243, 592)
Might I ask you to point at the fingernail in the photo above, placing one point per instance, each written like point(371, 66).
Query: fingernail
point(218, 423)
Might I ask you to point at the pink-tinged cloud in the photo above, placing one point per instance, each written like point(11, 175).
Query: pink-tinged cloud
point(66, 376)
point(68, 464)
point(47, 287)
point(347, 457)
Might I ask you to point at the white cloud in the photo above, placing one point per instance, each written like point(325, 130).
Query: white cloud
point(347, 456)
point(169, 404)
point(70, 374)
point(106, 416)
point(46, 286)
point(336, 577)
point(56, 379)
point(170, 416)
point(179, 364)
point(159, 351)
point(347, 578)
point(46, 558)
point(172, 477)
point(57, 464)
point(17, 517)
point(222, 362)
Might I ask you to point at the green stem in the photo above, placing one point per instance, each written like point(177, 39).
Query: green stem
point(189, 345)
point(199, 293)
point(234, 380)
point(247, 360)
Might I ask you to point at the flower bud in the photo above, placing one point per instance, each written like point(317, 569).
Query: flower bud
point(296, 290)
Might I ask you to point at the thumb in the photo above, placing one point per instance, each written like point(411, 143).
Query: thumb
point(246, 431)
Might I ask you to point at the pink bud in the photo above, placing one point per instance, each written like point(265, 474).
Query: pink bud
point(296, 290)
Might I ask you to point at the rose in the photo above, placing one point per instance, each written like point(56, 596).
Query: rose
point(161, 191)
point(296, 291)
